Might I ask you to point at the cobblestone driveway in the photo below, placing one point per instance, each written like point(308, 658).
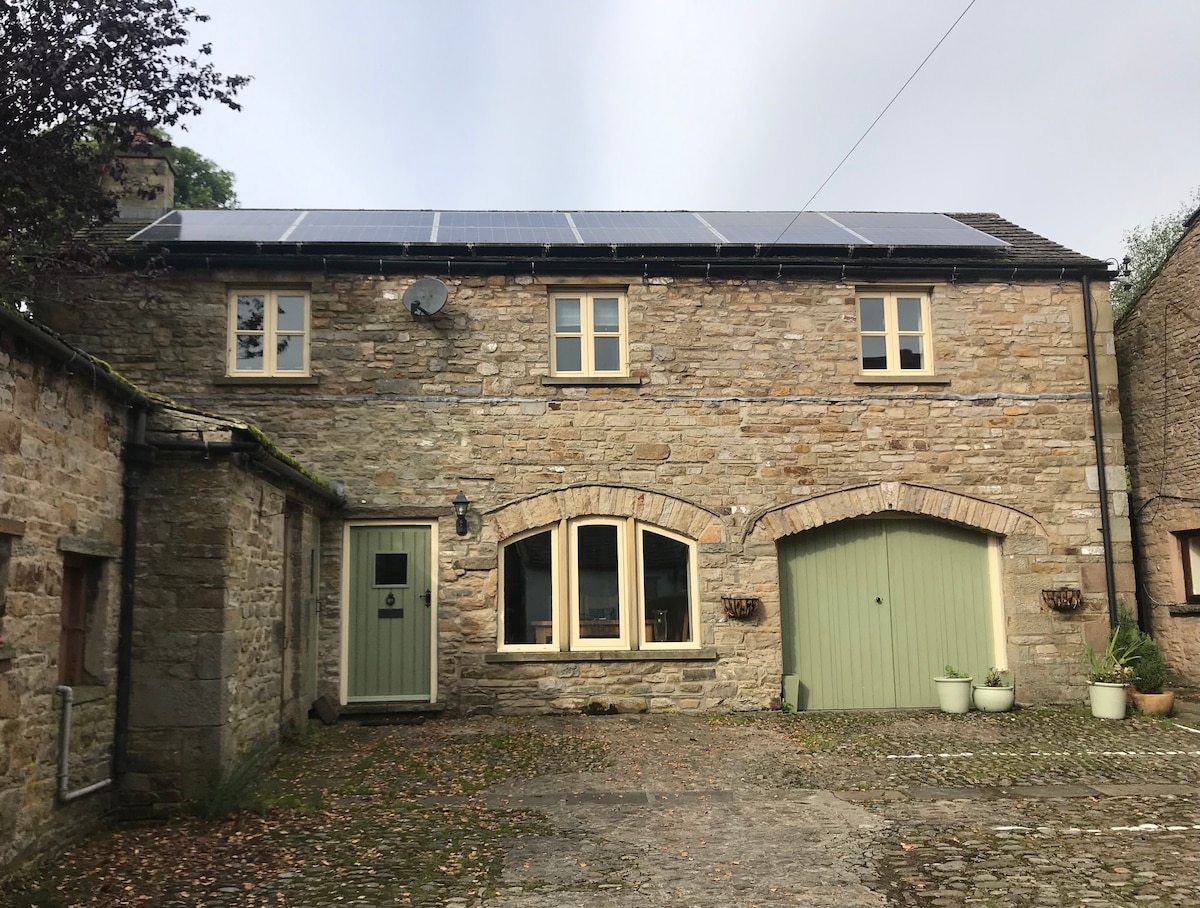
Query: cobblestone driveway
point(1039, 807)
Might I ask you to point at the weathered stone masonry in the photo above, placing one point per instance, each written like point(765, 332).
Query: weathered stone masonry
point(750, 402)
point(60, 492)
point(224, 613)
point(1158, 344)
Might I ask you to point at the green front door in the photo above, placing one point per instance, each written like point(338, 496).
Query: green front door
point(873, 609)
point(391, 616)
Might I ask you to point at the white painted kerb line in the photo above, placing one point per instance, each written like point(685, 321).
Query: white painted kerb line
point(1046, 753)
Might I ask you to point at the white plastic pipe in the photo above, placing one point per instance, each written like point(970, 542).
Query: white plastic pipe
point(64, 753)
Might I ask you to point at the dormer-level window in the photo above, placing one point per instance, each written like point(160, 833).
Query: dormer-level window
point(589, 334)
point(268, 332)
point(894, 334)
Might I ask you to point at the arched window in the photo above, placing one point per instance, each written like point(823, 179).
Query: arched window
point(598, 583)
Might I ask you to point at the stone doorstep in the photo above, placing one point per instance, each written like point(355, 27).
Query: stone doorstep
point(383, 710)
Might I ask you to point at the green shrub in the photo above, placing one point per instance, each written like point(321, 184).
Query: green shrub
point(240, 789)
point(1150, 673)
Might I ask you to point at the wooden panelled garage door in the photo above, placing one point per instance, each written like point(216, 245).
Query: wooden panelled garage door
point(873, 609)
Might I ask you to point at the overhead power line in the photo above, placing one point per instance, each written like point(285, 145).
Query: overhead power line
point(861, 138)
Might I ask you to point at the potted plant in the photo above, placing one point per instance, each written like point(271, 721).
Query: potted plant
point(1150, 676)
point(1109, 674)
point(997, 693)
point(1149, 670)
point(953, 690)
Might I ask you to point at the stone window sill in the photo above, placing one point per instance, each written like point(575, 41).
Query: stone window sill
point(552, 381)
point(708, 654)
point(1185, 610)
point(266, 380)
point(893, 379)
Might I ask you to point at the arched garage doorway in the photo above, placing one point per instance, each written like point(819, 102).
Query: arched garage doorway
point(873, 608)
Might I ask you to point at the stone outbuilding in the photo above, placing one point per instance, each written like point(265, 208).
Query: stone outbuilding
point(157, 605)
point(1158, 346)
point(704, 460)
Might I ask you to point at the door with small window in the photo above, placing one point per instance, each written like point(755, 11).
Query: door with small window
point(390, 653)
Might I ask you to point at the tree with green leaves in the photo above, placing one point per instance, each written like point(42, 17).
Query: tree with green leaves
point(82, 82)
point(1146, 248)
point(199, 182)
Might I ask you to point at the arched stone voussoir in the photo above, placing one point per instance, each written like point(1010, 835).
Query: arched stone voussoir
point(602, 500)
point(892, 498)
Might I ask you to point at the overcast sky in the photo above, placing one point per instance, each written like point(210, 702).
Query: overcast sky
point(1074, 118)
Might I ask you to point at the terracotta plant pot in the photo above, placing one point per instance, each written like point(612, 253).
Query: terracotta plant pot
point(1154, 704)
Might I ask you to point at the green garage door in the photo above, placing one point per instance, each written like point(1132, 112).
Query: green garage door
point(872, 610)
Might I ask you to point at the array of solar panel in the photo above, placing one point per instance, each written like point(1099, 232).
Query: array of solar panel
point(630, 228)
point(511, 227)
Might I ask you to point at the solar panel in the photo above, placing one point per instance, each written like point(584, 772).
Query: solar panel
point(642, 227)
point(890, 228)
point(199, 226)
point(363, 227)
point(784, 227)
point(680, 228)
point(511, 227)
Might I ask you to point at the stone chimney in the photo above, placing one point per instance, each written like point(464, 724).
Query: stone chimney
point(146, 188)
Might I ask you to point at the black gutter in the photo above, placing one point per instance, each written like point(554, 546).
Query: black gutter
point(1098, 439)
point(261, 458)
point(449, 265)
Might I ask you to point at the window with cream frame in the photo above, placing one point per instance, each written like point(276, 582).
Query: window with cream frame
point(589, 335)
point(268, 332)
point(1189, 549)
point(894, 331)
point(598, 583)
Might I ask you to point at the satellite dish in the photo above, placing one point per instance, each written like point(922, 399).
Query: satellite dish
point(425, 297)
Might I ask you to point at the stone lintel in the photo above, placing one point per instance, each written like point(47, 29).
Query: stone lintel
point(10, 526)
point(95, 548)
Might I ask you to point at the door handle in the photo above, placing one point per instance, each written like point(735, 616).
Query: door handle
point(428, 597)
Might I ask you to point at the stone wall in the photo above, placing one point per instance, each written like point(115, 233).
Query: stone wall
point(1158, 344)
point(60, 492)
point(749, 402)
point(216, 673)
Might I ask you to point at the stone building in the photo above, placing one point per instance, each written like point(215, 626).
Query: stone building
point(708, 460)
point(62, 427)
point(157, 607)
point(1158, 345)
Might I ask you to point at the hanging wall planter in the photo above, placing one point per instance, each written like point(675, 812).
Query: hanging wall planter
point(1062, 600)
point(740, 607)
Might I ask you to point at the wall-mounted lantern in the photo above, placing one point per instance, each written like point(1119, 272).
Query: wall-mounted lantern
point(461, 505)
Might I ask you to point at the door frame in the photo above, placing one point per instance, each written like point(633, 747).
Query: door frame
point(344, 657)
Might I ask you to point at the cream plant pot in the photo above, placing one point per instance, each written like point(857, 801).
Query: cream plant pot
point(995, 699)
point(954, 694)
point(1108, 700)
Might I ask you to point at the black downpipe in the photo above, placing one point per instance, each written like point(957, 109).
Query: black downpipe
point(1110, 579)
point(137, 456)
